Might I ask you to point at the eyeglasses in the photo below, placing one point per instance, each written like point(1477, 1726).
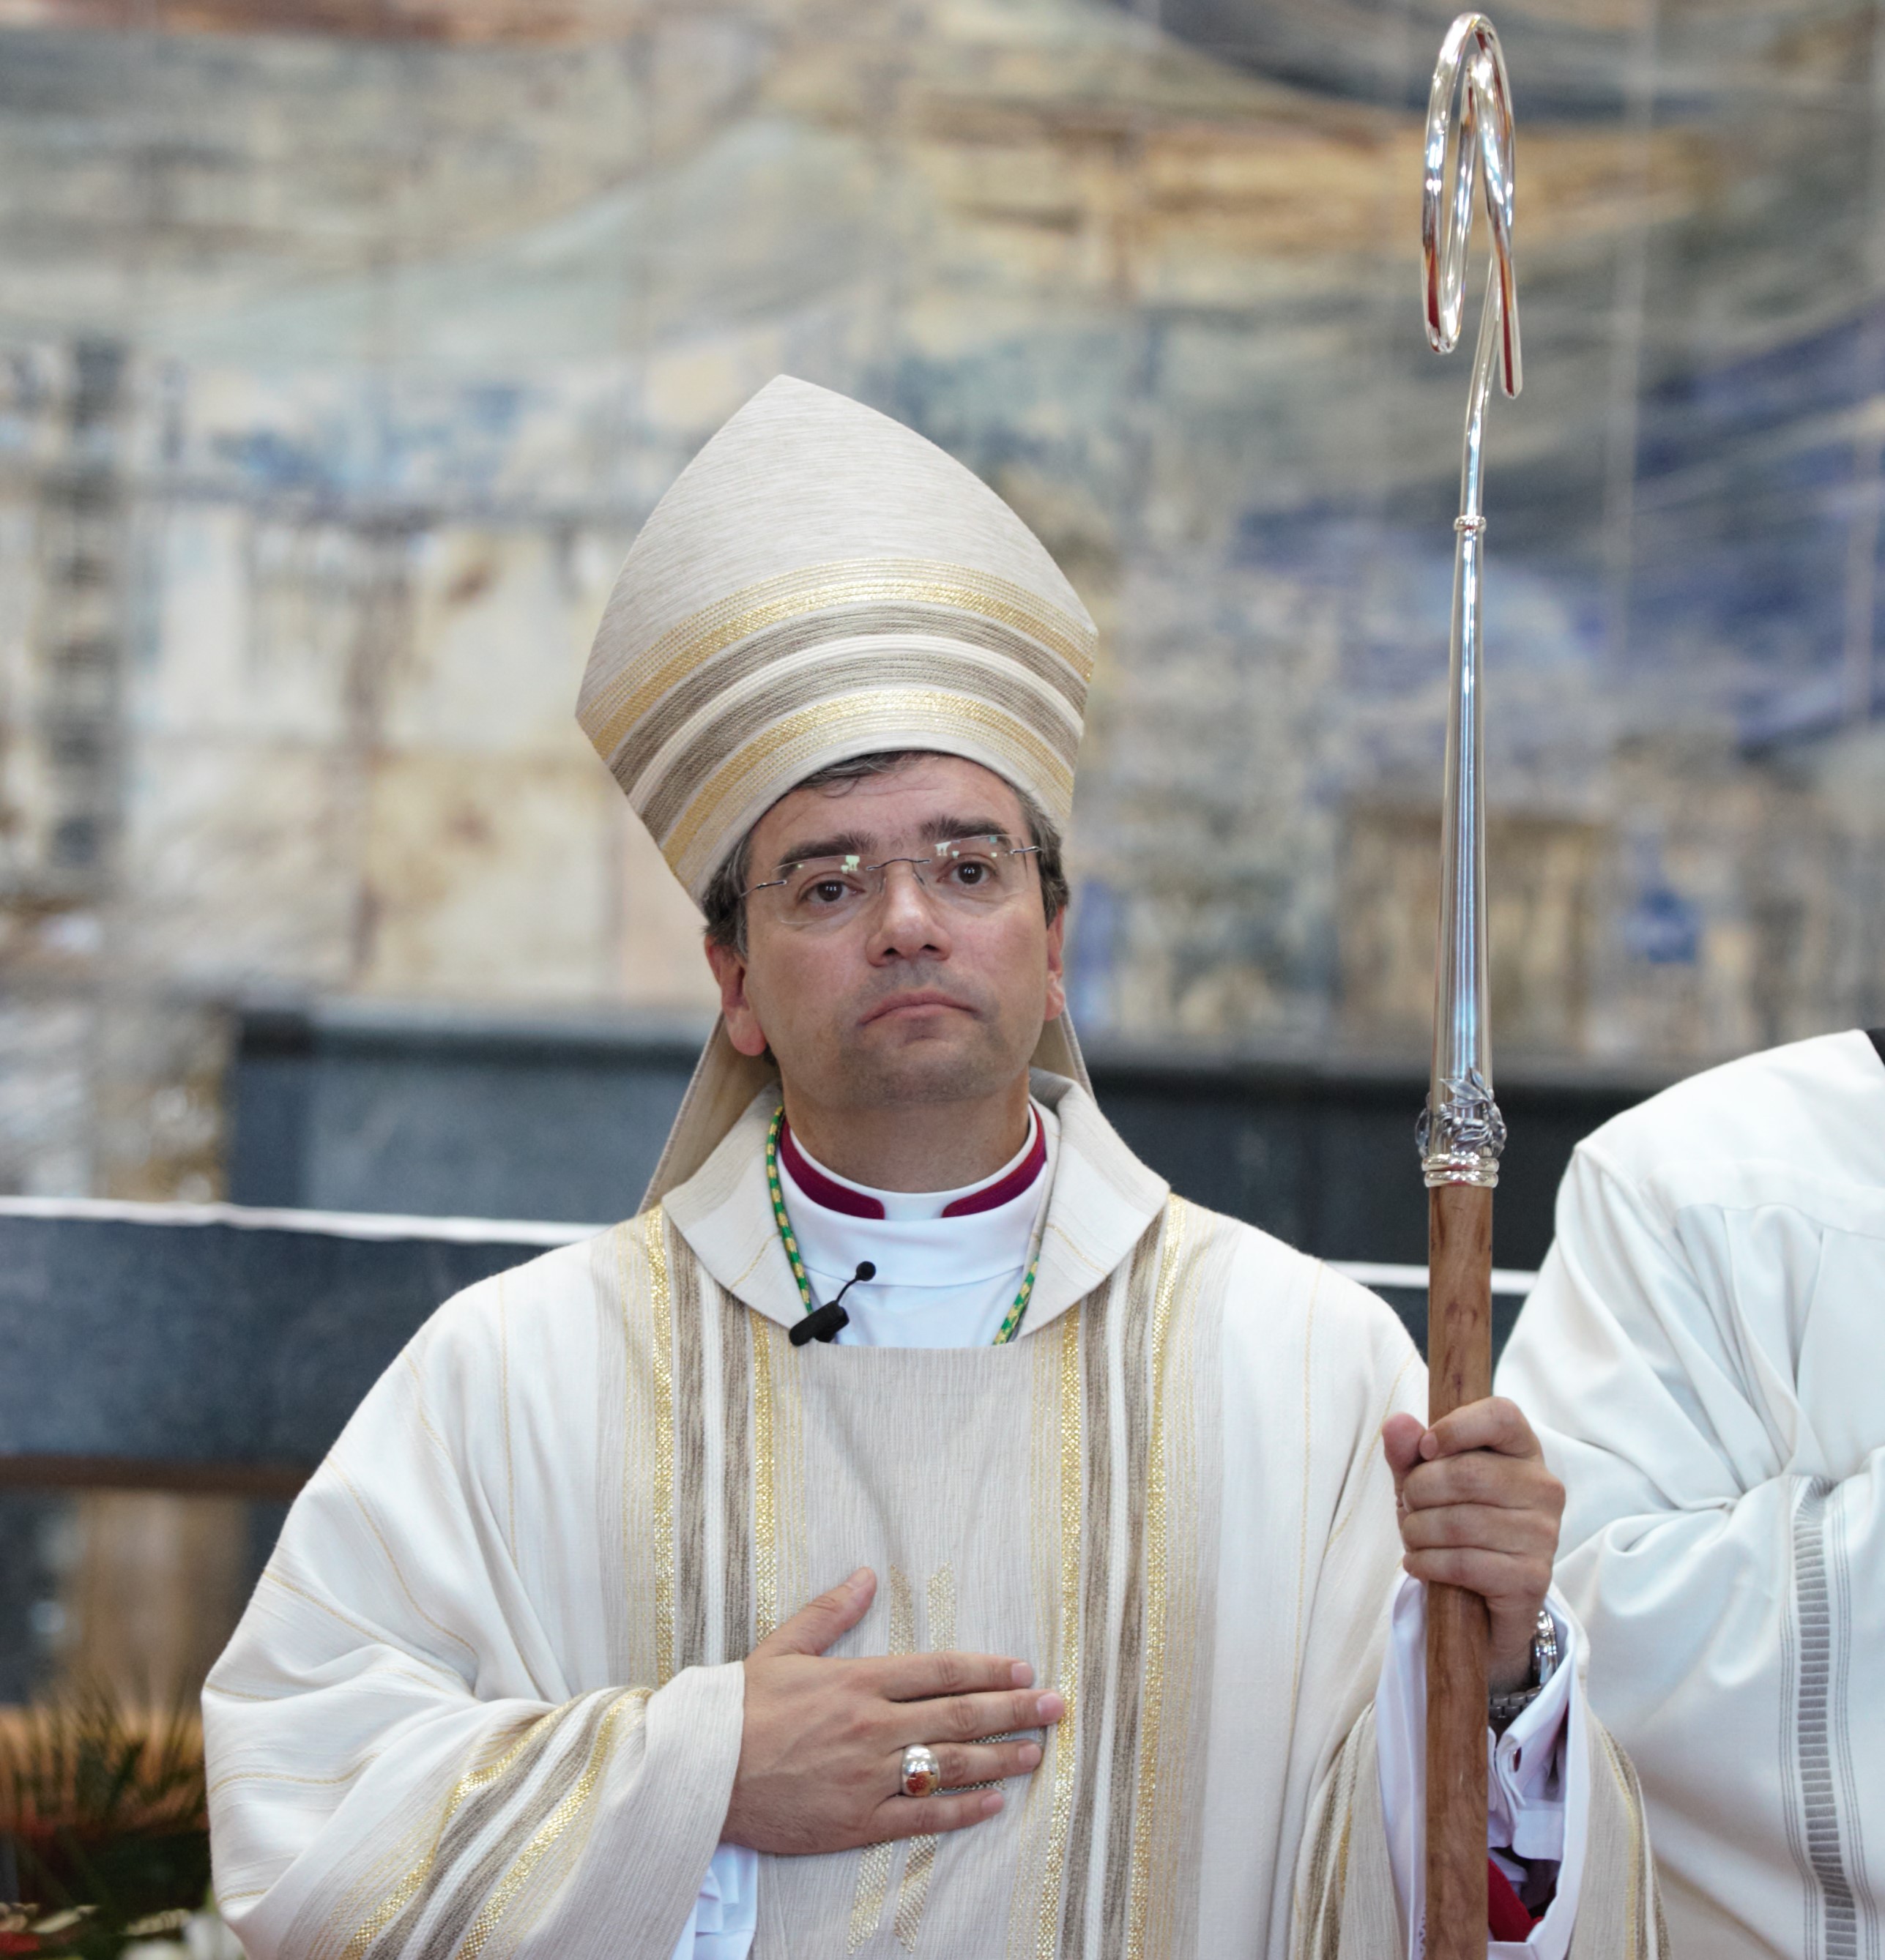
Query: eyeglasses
point(968, 874)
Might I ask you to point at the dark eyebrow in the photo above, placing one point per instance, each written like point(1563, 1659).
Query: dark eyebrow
point(842, 844)
point(938, 828)
point(856, 844)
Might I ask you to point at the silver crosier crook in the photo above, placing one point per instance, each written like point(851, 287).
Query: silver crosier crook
point(1469, 137)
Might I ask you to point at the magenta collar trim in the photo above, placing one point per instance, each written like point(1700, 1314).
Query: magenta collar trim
point(851, 1204)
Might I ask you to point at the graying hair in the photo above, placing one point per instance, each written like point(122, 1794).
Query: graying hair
point(725, 902)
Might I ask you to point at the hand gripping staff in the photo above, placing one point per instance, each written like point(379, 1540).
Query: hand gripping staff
point(1461, 1133)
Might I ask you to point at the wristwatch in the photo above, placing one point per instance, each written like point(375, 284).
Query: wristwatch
point(1502, 1710)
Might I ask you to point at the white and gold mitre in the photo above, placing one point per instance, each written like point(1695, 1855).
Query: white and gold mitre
point(821, 582)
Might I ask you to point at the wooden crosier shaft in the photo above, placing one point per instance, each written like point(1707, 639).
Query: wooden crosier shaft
point(1459, 1370)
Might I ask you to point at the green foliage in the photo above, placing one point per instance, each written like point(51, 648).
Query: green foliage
point(105, 1809)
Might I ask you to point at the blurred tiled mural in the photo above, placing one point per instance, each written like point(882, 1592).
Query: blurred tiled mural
point(345, 343)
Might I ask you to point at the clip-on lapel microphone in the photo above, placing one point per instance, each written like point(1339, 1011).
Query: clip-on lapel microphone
point(822, 1322)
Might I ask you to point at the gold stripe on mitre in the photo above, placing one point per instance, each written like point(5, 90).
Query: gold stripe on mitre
point(614, 705)
point(882, 667)
point(738, 793)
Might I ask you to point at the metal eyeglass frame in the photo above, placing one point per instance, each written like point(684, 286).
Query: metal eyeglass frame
point(851, 862)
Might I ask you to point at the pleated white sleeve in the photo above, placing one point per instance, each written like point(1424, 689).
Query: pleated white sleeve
point(725, 1918)
point(415, 1745)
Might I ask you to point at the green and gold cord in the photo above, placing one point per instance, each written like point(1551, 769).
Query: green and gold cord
point(1011, 1321)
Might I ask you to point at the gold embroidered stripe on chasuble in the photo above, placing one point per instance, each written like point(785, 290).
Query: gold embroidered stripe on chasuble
point(1345, 1907)
point(467, 1882)
point(1053, 1499)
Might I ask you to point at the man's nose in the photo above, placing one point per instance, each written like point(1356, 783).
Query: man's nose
point(907, 917)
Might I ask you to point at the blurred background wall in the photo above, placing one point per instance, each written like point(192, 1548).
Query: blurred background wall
point(344, 345)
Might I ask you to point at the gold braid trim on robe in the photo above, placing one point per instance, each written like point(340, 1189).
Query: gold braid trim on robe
point(1110, 1817)
point(510, 1824)
point(1346, 1907)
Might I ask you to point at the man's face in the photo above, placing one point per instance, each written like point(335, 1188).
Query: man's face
point(914, 999)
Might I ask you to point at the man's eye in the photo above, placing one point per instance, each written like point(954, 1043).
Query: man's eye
point(827, 892)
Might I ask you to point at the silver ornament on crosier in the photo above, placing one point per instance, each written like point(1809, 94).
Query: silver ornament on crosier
point(1460, 1134)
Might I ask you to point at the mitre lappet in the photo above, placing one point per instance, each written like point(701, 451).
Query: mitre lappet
point(822, 583)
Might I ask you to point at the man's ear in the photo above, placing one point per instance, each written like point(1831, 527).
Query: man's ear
point(1056, 1003)
point(743, 1021)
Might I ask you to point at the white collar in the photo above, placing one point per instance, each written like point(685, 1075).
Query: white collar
point(1100, 1200)
point(926, 1250)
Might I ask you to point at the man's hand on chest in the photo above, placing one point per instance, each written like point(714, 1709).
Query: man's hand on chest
point(821, 1753)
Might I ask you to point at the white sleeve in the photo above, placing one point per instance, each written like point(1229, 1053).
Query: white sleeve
point(726, 1916)
point(1732, 1591)
point(1538, 1792)
point(396, 1762)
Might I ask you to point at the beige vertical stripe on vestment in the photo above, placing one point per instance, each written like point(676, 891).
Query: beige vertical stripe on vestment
point(661, 1349)
point(902, 1633)
point(736, 1339)
point(1045, 1518)
point(941, 1629)
point(1171, 1591)
point(1063, 1746)
point(1096, 1323)
point(627, 1423)
point(690, 1459)
point(797, 1581)
point(765, 1608)
point(1145, 1285)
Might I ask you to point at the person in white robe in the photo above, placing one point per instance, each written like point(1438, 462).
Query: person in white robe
point(1050, 1602)
point(1705, 1354)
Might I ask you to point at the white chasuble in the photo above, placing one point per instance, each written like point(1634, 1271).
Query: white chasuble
point(487, 1700)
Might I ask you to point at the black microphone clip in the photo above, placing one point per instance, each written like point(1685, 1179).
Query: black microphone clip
point(823, 1323)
